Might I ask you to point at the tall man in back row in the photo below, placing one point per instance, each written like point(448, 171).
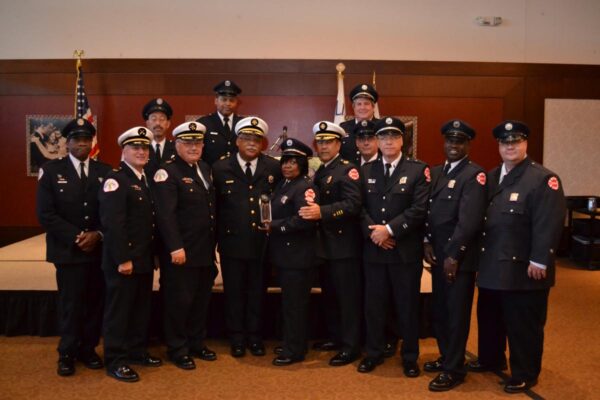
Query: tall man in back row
point(157, 113)
point(363, 97)
point(338, 247)
point(456, 208)
point(240, 180)
point(67, 208)
point(523, 224)
point(220, 137)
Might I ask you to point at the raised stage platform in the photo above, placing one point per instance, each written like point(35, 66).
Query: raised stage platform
point(28, 297)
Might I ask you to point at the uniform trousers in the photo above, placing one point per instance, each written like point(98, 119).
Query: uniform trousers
point(520, 316)
point(341, 288)
point(80, 304)
point(126, 316)
point(295, 303)
point(186, 295)
point(403, 282)
point(452, 303)
point(244, 286)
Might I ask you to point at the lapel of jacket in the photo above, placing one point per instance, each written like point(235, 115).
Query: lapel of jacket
point(511, 177)
point(236, 169)
point(397, 172)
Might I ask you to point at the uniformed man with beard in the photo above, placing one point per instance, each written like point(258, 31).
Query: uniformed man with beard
point(220, 138)
point(456, 208)
point(157, 114)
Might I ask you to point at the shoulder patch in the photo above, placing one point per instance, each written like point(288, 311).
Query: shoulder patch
point(353, 174)
point(553, 183)
point(40, 173)
point(160, 176)
point(110, 185)
point(481, 178)
point(427, 174)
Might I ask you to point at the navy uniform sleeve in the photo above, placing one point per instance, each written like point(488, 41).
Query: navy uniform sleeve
point(166, 194)
point(113, 216)
point(414, 216)
point(471, 211)
point(351, 202)
point(47, 211)
point(294, 222)
point(548, 216)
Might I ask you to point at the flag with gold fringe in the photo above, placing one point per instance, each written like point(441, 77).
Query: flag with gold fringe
point(82, 106)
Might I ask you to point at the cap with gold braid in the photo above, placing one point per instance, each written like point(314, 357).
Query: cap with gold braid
point(252, 125)
point(189, 131)
point(325, 130)
point(135, 136)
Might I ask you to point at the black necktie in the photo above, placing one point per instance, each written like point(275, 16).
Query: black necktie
point(157, 153)
point(248, 171)
point(82, 175)
point(388, 168)
point(226, 127)
point(446, 168)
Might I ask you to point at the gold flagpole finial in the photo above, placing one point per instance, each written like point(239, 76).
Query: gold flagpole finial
point(78, 54)
point(340, 68)
point(374, 84)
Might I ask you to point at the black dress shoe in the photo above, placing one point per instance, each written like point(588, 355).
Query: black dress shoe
point(368, 364)
point(238, 350)
point(146, 360)
point(278, 350)
point(92, 361)
point(411, 369)
point(123, 373)
point(184, 362)
point(282, 361)
point(444, 382)
point(204, 353)
point(327, 345)
point(66, 366)
point(257, 349)
point(476, 366)
point(434, 366)
point(389, 350)
point(342, 358)
point(518, 385)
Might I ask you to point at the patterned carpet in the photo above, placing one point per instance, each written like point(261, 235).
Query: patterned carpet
point(570, 368)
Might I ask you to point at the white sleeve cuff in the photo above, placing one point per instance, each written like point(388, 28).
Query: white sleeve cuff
point(537, 265)
point(387, 226)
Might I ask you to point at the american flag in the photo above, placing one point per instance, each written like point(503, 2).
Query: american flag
point(82, 108)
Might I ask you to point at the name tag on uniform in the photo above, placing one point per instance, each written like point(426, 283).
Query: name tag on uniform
point(229, 181)
point(187, 180)
point(451, 183)
point(403, 180)
point(514, 196)
point(136, 187)
point(61, 180)
point(214, 133)
point(283, 199)
point(372, 180)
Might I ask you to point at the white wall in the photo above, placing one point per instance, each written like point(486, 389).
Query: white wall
point(533, 31)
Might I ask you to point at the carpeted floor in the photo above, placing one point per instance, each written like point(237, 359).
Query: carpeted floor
point(570, 369)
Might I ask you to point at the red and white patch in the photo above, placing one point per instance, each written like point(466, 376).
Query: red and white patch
point(553, 183)
point(309, 196)
point(353, 174)
point(427, 174)
point(481, 178)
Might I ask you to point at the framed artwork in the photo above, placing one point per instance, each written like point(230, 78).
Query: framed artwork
point(44, 140)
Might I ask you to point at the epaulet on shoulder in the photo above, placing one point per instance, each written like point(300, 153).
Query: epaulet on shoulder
point(169, 162)
point(415, 160)
point(223, 157)
point(270, 157)
point(116, 169)
point(345, 162)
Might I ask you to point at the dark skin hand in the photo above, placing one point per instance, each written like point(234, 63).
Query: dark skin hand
point(87, 240)
point(429, 256)
point(450, 268)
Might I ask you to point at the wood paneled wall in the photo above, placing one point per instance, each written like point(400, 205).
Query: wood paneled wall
point(295, 93)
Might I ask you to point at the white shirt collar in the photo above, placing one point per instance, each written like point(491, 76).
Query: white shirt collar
point(162, 143)
point(230, 122)
point(394, 162)
point(363, 161)
point(453, 164)
point(332, 160)
point(135, 171)
point(243, 163)
point(76, 162)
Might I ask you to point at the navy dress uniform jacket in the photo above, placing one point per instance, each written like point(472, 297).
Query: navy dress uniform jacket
point(292, 239)
point(238, 212)
point(523, 223)
point(65, 210)
point(186, 211)
point(401, 204)
point(340, 202)
point(127, 214)
point(217, 142)
point(457, 206)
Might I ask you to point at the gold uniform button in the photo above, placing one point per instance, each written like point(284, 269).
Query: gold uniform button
point(85, 203)
point(250, 187)
point(191, 190)
point(254, 224)
point(251, 198)
point(252, 212)
point(340, 231)
point(141, 199)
